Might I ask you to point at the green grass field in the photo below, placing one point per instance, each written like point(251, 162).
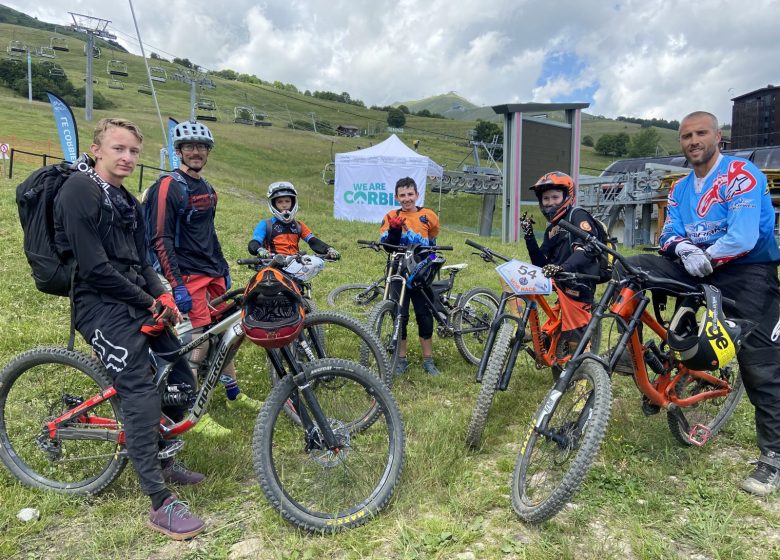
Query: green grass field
point(646, 498)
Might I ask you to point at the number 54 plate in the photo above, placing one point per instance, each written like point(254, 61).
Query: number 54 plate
point(524, 278)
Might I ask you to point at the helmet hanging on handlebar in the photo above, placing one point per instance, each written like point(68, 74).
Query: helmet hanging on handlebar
point(710, 343)
point(272, 314)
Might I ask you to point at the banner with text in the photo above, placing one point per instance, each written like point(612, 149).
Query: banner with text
point(366, 193)
point(173, 159)
point(66, 127)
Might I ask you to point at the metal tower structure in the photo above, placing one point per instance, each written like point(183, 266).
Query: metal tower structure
point(92, 27)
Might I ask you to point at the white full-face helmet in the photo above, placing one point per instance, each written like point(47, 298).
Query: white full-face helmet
point(278, 190)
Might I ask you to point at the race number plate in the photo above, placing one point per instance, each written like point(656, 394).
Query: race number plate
point(524, 278)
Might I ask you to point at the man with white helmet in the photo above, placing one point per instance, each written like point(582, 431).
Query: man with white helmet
point(180, 209)
point(281, 234)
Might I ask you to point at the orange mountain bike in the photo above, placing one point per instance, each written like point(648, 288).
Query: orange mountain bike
point(567, 429)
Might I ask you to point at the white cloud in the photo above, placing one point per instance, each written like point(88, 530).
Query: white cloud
point(651, 59)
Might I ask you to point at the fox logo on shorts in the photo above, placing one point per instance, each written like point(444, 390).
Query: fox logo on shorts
point(113, 357)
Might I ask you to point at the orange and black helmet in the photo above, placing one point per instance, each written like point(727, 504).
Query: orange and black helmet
point(559, 181)
point(272, 314)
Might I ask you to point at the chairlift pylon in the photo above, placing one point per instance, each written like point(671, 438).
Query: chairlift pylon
point(59, 44)
point(158, 74)
point(117, 68)
point(116, 84)
point(95, 81)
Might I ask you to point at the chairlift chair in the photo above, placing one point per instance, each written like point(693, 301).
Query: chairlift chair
point(244, 115)
point(206, 110)
point(207, 83)
point(116, 84)
point(95, 51)
point(56, 71)
point(59, 44)
point(117, 68)
point(16, 47)
point(46, 52)
point(146, 90)
point(158, 74)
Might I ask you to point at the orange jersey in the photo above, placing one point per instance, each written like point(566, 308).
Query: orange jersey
point(283, 237)
point(420, 227)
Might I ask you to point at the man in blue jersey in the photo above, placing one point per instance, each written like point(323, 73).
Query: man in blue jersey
point(720, 230)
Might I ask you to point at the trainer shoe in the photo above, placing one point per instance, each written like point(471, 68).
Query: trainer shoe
point(764, 480)
point(430, 367)
point(401, 366)
point(209, 427)
point(245, 403)
point(176, 473)
point(175, 519)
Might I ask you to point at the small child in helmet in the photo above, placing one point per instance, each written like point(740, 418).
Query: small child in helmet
point(281, 234)
point(562, 252)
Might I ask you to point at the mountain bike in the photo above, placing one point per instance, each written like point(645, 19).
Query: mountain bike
point(358, 298)
point(517, 327)
point(567, 430)
point(61, 427)
point(465, 317)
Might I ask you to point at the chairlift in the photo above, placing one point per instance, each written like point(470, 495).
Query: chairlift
point(117, 68)
point(158, 74)
point(116, 84)
point(16, 47)
point(46, 52)
point(206, 109)
point(178, 76)
point(95, 51)
point(244, 115)
point(146, 90)
point(56, 71)
point(59, 44)
point(207, 83)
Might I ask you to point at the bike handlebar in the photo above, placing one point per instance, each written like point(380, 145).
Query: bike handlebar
point(486, 251)
point(376, 245)
point(680, 288)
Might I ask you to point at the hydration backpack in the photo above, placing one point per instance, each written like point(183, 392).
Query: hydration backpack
point(53, 273)
point(606, 261)
point(184, 210)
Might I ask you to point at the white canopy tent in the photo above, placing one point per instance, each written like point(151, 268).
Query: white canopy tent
point(365, 180)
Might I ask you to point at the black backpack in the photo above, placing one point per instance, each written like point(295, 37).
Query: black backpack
point(606, 261)
point(52, 273)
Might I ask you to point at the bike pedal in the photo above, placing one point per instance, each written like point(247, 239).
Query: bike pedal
point(649, 409)
point(699, 435)
point(172, 447)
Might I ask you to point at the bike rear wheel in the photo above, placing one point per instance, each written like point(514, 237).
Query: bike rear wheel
point(382, 322)
point(354, 299)
point(711, 413)
point(338, 336)
point(39, 386)
point(476, 311)
point(319, 489)
point(494, 370)
point(552, 463)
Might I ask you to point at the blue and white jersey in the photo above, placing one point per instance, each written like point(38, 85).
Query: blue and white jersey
point(728, 213)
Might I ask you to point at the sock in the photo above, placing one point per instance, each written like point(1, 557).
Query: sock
point(231, 386)
point(159, 497)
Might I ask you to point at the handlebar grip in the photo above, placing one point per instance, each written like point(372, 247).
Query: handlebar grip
point(226, 296)
point(476, 245)
point(487, 250)
point(442, 248)
point(251, 262)
point(365, 242)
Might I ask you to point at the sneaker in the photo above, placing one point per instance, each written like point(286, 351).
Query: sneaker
point(207, 426)
point(176, 473)
point(175, 519)
point(764, 480)
point(244, 402)
point(401, 366)
point(429, 367)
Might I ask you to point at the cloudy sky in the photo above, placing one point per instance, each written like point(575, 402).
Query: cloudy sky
point(636, 58)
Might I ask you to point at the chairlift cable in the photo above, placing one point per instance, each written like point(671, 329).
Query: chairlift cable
point(148, 75)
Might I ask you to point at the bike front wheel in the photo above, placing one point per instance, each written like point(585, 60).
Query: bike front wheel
point(494, 370)
point(712, 414)
point(556, 455)
point(83, 457)
point(322, 489)
point(354, 299)
point(472, 321)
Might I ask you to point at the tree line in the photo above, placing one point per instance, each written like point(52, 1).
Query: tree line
point(643, 143)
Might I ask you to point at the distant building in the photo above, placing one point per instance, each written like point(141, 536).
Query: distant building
point(347, 130)
point(755, 119)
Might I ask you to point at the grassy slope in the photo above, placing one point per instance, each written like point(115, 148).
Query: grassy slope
point(646, 497)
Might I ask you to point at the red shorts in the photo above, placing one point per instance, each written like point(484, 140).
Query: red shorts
point(202, 289)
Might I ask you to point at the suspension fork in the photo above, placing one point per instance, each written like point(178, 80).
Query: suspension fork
point(502, 315)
